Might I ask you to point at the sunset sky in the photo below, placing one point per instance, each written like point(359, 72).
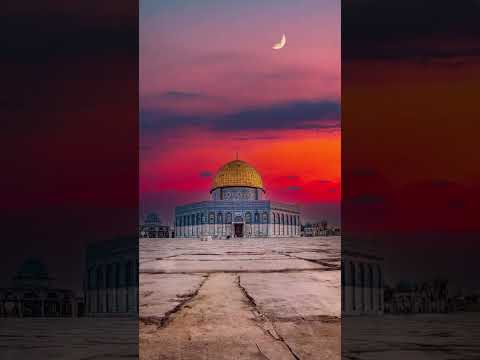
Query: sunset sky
point(410, 113)
point(211, 86)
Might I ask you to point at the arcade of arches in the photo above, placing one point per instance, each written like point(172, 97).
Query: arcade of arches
point(362, 284)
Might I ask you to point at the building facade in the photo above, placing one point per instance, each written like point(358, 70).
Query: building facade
point(362, 280)
point(111, 286)
point(152, 228)
point(32, 294)
point(237, 208)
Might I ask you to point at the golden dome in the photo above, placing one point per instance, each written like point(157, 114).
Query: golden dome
point(237, 173)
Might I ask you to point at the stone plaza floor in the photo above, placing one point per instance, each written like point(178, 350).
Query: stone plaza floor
point(240, 299)
point(414, 336)
point(68, 338)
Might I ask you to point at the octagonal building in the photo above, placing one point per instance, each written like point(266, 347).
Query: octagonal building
point(237, 208)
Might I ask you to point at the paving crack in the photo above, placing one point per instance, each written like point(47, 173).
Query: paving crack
point(162, 321)
point(264, 321)
point(261, 352)
point(236, 271)
point(328, 266)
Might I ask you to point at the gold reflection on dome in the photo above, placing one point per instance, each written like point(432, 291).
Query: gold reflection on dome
point(237, 173)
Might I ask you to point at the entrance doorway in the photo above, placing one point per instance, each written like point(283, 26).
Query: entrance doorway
point(238, 230)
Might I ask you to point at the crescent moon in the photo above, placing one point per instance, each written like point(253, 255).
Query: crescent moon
point(281, 44)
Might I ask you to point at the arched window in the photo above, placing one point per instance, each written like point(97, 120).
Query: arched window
point(199, 219)
point(219, 218)
point(257, 218)
point(228, 218)
point(265, 217)
point(193, 219)
point(248, 217)
point(283, 219)
point(211, 218)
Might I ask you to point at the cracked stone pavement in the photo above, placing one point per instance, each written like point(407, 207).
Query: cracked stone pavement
point(240, 299)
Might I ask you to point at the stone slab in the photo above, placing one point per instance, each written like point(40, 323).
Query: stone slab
point(310, 294)
point(161, 293)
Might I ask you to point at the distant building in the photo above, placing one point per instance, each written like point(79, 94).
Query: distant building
point(111, 286)
point(362, 279)
point(32, 294)
point(319, 229)
point(237, 209)
point(429, 297)
point(152, 228)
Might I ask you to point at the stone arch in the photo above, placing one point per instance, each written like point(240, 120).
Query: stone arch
point(90, 279)
point(287, 223)
point(274, 221)
point(353, 284)
point(362, 286)
point(279, 221)
point(128, 283)
point(117, 286)
point(199, 222)
point(380, 287)
point(265, 217)
point(108, 286)
point(342, 289)
point(99, 285)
